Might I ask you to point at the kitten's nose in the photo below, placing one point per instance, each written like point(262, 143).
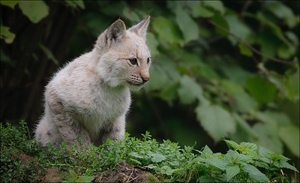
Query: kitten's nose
point(145, 76)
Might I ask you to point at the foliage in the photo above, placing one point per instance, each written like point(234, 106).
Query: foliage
point(231, 68)
point(244, 162)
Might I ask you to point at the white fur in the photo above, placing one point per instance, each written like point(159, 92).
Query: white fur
point(89, 97)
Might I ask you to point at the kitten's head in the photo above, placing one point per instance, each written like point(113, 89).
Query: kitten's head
point(124, 56)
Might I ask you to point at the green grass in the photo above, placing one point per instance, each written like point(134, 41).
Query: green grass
point(167, 161)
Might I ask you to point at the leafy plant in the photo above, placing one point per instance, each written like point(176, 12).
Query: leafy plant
point(166, 160)
point(75, 178)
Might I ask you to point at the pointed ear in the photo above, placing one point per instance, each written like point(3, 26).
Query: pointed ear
point(116, 30)
point(141, 28)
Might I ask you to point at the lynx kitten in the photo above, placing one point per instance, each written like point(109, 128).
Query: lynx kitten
point(88, 99)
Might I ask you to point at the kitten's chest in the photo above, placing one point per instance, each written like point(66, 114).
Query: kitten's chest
point(108, 105)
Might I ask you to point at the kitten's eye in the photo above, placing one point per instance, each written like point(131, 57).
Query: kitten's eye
point(133, 61)
point(148, 60)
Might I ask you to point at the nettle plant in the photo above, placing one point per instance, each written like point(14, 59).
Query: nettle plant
point(166, 160)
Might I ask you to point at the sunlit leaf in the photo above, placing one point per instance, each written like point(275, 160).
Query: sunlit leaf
point(7, 35)
point(34, 10)
point(10, 3)
point(232, 144)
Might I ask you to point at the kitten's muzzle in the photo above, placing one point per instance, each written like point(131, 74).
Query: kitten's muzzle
point(145, 76)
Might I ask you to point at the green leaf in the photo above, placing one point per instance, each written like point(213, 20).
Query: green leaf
point(282, 11)
point(135, 155)
point(236, 74)
point(232, 144)
point(254, 173)
point(233, 157)
point(189, 90)
point(274, 27)
point(219, 163)
point(216, 121)
point(169, 67)
point(200, 11)
point(159, 76)
point(290, 136)
point(207, 179)
point(216, 5)
point(285, 164)
point(7, 35)
point(131, 14)
point(261, 89)
point(152, 44)
point(248, 148)
point(268, 137)
point(34, 10)
point(187, 25)
point(286, 51)
point(85, 179)
point(269, 43)
point(222, 22)
point(245, 50)
point(169, 92)
point(156, 157)
point(9, 3)
point(238, 28)
point(232, 171)
point(166, 170)
point(167, 30)
point(75, 3)
point(245, 127)
point(242, 101)
point(73, 174)
point(206, 151)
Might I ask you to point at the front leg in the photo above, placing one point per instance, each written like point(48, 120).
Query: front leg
point(70, 130)
point(115, 131)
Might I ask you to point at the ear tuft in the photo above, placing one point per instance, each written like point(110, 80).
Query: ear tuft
point(116, 30)
point(141, 28)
